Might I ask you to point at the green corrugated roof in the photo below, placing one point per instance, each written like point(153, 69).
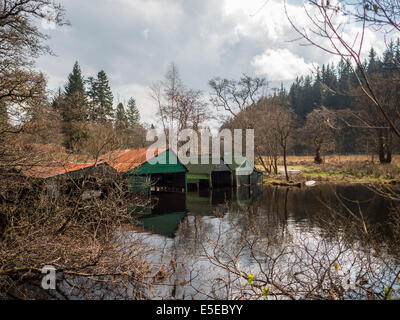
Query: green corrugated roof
point(166, 162)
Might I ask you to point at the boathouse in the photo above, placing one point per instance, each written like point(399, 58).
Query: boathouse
point(209, 172)
point(67, 177)
point(149, 169)
point(244, 173)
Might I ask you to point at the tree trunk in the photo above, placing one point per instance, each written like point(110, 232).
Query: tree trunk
point(284, 163)
point(385, 146)
point(262, 161)
point(389, 146)
point(381, 147)
point(389, 157)
point(318, 159)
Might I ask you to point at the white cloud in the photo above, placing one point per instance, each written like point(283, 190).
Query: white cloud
point(146, 33)
point(262, 19)
point(280, 65)
point(205, 38)
point(150, 9)
point(258, 19)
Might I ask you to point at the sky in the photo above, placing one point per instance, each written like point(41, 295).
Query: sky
point(135, 41)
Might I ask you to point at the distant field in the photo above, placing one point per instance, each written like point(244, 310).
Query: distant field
point(336, 159)
point(338, 168)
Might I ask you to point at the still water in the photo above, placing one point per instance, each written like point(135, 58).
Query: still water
point(211, 241)
point(293, 206)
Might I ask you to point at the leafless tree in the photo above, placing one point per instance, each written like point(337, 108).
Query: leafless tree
point(275, 126)
point(235, 96)
point(22, 89)
point(266, 138)
point(236, 99)
point(283, 121)
point(71, 220)
point(178, 108)
point(319, 129)
point(326, 31)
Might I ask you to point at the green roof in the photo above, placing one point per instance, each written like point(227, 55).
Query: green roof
point(165, 162)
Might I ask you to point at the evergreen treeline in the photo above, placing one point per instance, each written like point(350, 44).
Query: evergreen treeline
point(336, 88)
point(89, 101)
point(331, 85)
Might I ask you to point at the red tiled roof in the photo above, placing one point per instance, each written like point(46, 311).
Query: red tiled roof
point(120, 160)
point(51, 169)
point(125, 160)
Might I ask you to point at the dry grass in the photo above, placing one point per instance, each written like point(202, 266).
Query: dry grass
point(337, 168)
point(337, 159)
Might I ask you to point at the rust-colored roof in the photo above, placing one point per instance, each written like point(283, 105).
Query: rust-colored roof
point(126, 160)
point(51, 169)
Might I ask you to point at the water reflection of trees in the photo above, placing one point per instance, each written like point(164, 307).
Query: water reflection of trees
point(313, 244)
point(319, 208)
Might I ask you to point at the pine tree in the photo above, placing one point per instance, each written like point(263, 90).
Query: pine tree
point(373, 62)
point(317, 89)
point(344, 84)
point(307, 99)
point(100, 98)
point(295, 93)
point(132, 113)
point(73, 109)
point(283, 96)
point(121, 121)
point(397, 53)
point(330, 81)
point(358, 73)
point(323, 75)
point(75, 84)
point(91, 93)
point(388, 64)
point(103, 98)
point(56, 99)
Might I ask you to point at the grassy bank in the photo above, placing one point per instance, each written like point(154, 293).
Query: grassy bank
point(338, 169)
